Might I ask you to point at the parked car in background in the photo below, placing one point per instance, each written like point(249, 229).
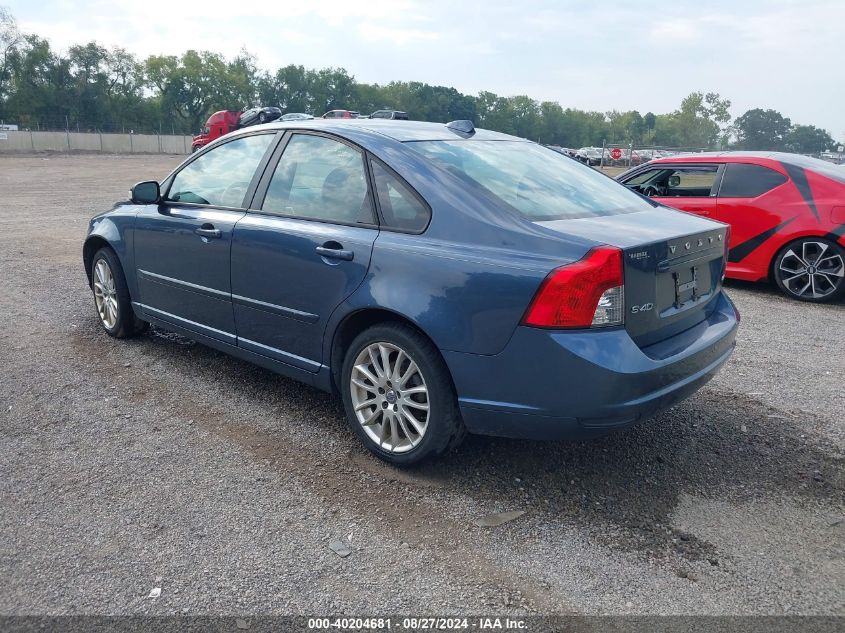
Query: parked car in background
point(262, 114)
point(589, 155)
point(296, 116)
point(786, 213)
point(341, 114)
point(360, 259)
point(389, 114)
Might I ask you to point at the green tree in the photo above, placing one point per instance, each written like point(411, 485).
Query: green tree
point(808, 139)
point(760, 129)
point(10, 38)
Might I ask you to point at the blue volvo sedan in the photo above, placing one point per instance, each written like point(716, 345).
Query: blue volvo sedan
point(441, 279)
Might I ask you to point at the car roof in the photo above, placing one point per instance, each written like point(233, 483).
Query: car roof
point(781, 157)
point(396, 130)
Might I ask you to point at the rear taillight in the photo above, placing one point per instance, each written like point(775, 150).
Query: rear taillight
point(586, 293)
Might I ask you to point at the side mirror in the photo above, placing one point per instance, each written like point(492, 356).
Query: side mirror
point(146, 192)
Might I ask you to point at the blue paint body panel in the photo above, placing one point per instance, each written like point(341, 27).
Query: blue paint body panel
point(262, 292)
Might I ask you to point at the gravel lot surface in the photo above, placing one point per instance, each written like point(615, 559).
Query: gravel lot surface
point(156, 462)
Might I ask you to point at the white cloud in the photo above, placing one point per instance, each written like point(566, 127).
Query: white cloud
point(781, 54)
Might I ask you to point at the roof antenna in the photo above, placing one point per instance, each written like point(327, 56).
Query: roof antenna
point(462, 126)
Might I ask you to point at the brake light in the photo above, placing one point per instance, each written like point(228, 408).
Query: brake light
point(583, 294)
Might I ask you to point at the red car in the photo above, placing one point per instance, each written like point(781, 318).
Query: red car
point(786, 213)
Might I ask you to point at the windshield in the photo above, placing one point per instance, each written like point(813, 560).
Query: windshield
point(539, 183)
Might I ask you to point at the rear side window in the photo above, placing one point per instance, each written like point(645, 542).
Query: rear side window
point(748, 181)
point(221, 177)
point(320, 179)
point(400, 208)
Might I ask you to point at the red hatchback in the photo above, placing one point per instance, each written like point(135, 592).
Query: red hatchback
point(786, 213)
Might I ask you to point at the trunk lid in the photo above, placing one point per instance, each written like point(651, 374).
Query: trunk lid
point(673, 266)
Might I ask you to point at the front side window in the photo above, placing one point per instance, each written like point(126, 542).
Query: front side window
point(322, 179)
point(536, 182)
point(742, 180)
point(221, 177)
point(691, 182)
point(676, 182)
point(400, 208)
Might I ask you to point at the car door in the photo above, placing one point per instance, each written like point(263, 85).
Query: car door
point(303, 247)
point(690, 188)
point(182, 245)
point(750, 201)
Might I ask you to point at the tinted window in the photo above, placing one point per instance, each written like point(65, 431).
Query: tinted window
point(400, 208)
point(319, 178)
point(748, 181)
point(532, 180)
point(221, 176)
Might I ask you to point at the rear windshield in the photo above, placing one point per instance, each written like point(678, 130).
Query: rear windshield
point(537, 182)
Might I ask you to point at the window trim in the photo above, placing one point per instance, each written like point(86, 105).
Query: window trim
point(263, 185)
point(253, 183)
point(725, 165)
point(414, 192)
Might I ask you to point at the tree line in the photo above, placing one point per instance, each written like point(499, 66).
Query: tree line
point(91, 87)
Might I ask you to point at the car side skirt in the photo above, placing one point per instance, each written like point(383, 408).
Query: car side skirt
point(321, 379)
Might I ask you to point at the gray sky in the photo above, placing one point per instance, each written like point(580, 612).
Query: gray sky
point(780, 54)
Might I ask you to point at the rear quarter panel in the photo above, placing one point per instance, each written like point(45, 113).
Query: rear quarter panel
point(468, 279)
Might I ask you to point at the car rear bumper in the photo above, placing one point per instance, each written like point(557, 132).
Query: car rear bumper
point(549, 384)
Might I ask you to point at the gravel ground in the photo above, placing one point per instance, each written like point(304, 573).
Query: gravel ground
point(157, 462)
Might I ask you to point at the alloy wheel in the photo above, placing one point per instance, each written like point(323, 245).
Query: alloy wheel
point(811, 270)
point(390, 397)
point(105, 294)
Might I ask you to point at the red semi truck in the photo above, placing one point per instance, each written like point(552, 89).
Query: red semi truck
point(225, 121)
point(218, 124)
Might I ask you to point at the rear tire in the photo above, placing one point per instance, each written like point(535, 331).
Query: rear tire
point(811, 269)
point(111, 296)
point(398, 395)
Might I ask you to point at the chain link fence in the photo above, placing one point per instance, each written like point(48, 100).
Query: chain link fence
point(62, 123)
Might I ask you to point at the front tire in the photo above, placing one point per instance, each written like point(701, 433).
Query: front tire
point(111, 296)
point(811, 269)
point(398, 395)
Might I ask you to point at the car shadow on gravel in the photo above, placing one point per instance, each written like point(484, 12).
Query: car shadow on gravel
point(623, 487)
point(729, 449)
point(767, 290)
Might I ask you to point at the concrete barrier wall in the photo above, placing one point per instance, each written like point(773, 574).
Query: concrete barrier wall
point(93, 142)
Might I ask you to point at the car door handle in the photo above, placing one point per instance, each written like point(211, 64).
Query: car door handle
point(335, 252)
point(208, 231)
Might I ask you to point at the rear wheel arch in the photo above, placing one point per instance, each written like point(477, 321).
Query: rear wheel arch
point(355, 323)
point(785, 242)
